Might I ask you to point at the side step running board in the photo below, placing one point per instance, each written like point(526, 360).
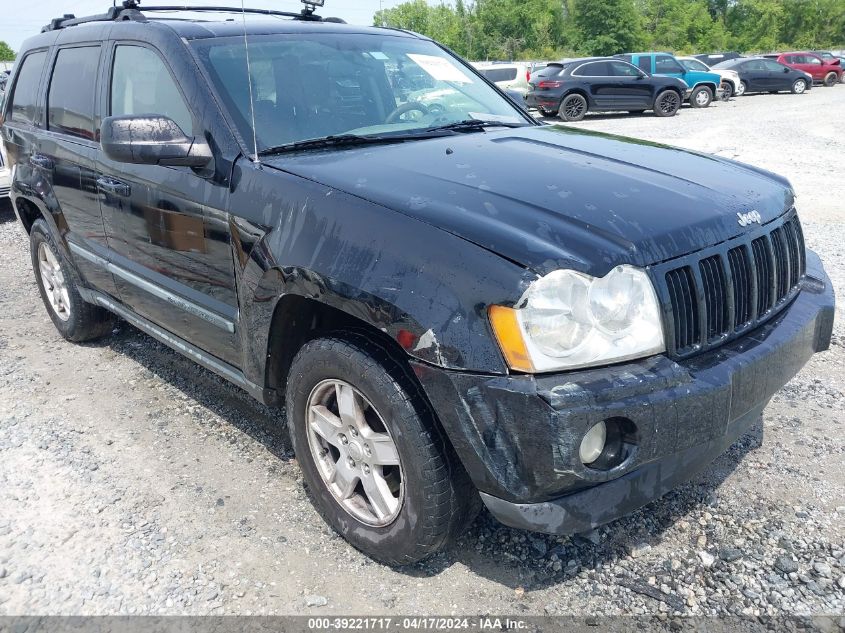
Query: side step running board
point(232, 374)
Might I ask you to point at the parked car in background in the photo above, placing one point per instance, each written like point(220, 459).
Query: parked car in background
point(509, 76)
point(711, 59)
point(5, 172)
point(759, 74)
point(827, 72)
point(703, 86)
point(572, 88)
point(730, 79)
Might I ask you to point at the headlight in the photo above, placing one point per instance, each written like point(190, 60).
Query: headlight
point(568, 320)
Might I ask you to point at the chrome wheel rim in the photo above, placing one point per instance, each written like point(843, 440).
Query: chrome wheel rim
point(702, 98)
point(53, 281)
point(800, 86)
point(668, 102)
point(354, 453)
point(574, 108)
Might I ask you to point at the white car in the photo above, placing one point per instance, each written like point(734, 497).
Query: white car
point(5, 174)
point(731, 85)
point(512, 76)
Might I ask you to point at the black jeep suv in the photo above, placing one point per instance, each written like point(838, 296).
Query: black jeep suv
point(455, 303)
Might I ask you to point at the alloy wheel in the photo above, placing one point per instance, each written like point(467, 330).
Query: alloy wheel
point(740, 89)
point(574, 108)
point(53, 281)
point(669, 102)
point(354, 453)
point(702, 98)
point(800, 86)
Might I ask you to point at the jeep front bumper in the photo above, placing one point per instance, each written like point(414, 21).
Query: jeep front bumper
point(518, 436)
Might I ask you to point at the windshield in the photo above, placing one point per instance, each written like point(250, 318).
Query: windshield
point(311, 86)
point(694, 65)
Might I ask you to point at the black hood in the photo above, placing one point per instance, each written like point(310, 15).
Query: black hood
point(553, 197)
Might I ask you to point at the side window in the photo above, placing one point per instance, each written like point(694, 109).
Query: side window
point(754, 66)
point(811, 59)
point(500, 74)
point(25, 92)
point(773, 66)
point(621, 69)
point(666, 64)
point(141, 84)
point(593, 69)
point(644, 63)
point(70, 100)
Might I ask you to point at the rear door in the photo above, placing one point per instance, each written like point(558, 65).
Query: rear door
point(757, 75)
point(809, 64)
point(168, 230)
point(599, 80)
point(67, 154)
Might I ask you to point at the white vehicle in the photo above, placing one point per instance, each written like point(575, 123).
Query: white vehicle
point(5, 174)
point(510, 75)
point(731, 85)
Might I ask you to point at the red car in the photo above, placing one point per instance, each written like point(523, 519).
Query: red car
point(826, 71)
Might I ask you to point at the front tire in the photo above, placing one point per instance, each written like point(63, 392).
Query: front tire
point(74, 318)
point(573, 108)
point(375, 463)
point(727, 90)
point(701, 97)
point(667, 103)
point(799, 87)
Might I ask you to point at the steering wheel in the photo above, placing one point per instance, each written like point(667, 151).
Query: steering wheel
point(411, 106)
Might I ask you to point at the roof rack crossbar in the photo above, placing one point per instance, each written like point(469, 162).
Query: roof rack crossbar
point(130, 10)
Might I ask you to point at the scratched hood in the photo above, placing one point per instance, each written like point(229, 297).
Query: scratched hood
point(551, 197)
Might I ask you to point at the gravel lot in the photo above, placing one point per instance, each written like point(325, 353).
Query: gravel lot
point(133, 482)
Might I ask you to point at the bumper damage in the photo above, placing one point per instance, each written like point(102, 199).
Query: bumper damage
point(518, 436)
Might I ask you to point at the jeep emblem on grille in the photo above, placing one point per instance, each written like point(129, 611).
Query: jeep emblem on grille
point(747, 218)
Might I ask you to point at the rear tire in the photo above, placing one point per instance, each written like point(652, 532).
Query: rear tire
point(572, 108)
point(831, 80)
point(667, 103)
point(701, 97)
point(727, 90)
point(799, 86)
point(74, 318)
point(741, 89)
point(407, 501)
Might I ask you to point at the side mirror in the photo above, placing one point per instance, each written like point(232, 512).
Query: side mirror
point(786, 70)
point(151, 139)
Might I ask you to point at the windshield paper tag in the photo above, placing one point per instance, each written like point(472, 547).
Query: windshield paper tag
point(493, 118)
point(439, 68)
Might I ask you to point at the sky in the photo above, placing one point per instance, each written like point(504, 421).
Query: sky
point(21, 18)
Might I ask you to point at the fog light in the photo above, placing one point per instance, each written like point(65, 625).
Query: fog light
point(593, 443)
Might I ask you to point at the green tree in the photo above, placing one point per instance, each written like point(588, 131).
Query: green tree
point(607, 27)
point(6, 52)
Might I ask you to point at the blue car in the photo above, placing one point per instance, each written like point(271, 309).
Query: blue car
point(702, 86)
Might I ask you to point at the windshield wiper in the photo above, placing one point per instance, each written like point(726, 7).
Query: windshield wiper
point(472, 125)
point(335, 140)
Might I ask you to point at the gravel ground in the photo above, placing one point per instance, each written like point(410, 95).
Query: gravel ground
point(133, 482)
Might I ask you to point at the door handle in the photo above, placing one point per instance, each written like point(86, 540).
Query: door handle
point(39, 160)
point(116, 187)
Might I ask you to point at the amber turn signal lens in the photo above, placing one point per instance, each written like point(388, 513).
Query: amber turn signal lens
point(509, 335)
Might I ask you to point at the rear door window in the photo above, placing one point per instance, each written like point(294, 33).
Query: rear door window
point(25, 92)
point(773, 66)
point(644, 63)
point(70, 101)
point(593, 69)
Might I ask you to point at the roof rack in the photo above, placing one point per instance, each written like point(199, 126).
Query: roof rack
point(131, 10)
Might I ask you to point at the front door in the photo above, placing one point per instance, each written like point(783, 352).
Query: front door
point(633, 91)
point(167, 228)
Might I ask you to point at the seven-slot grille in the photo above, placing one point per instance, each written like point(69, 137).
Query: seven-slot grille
point(716, 296)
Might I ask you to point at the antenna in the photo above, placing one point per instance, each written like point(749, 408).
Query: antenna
point(254, 158)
